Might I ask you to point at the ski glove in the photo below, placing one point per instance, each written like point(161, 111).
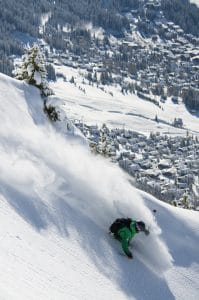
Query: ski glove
point(130, 255)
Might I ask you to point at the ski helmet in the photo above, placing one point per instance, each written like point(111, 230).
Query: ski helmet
point(140, 226)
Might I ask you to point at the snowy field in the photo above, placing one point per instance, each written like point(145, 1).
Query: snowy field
point(96, 107)
point(57, 202)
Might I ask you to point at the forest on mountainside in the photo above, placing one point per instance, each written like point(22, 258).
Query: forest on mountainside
point(18, 17)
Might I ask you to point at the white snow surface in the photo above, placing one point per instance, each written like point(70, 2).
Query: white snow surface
point(37, 78)
point(97, 107)
point(57, 202)
point(195, 1)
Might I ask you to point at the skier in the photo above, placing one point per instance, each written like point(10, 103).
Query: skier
point(125, 229)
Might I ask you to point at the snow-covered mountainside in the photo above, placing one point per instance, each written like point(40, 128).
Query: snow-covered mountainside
point(57, 202)
point(107, 104)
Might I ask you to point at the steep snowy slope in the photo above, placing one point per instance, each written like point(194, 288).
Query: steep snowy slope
point(56, 203)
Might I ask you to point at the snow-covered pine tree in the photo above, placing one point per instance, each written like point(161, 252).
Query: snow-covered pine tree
point(185, 201)
point(33, 70)
point(103, 146)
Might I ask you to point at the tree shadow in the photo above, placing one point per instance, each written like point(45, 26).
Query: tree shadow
point(35, 104)
point(29, 207)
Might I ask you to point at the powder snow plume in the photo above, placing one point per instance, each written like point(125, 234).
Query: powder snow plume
point(44, 168)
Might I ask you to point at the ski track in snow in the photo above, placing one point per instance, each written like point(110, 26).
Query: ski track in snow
point(57, 202)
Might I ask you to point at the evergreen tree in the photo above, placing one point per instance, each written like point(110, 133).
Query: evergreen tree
point(72, 80)
point(156, 119)
point(51, 72)
point(185, 201)
point(103, 143)
point(33, 70)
